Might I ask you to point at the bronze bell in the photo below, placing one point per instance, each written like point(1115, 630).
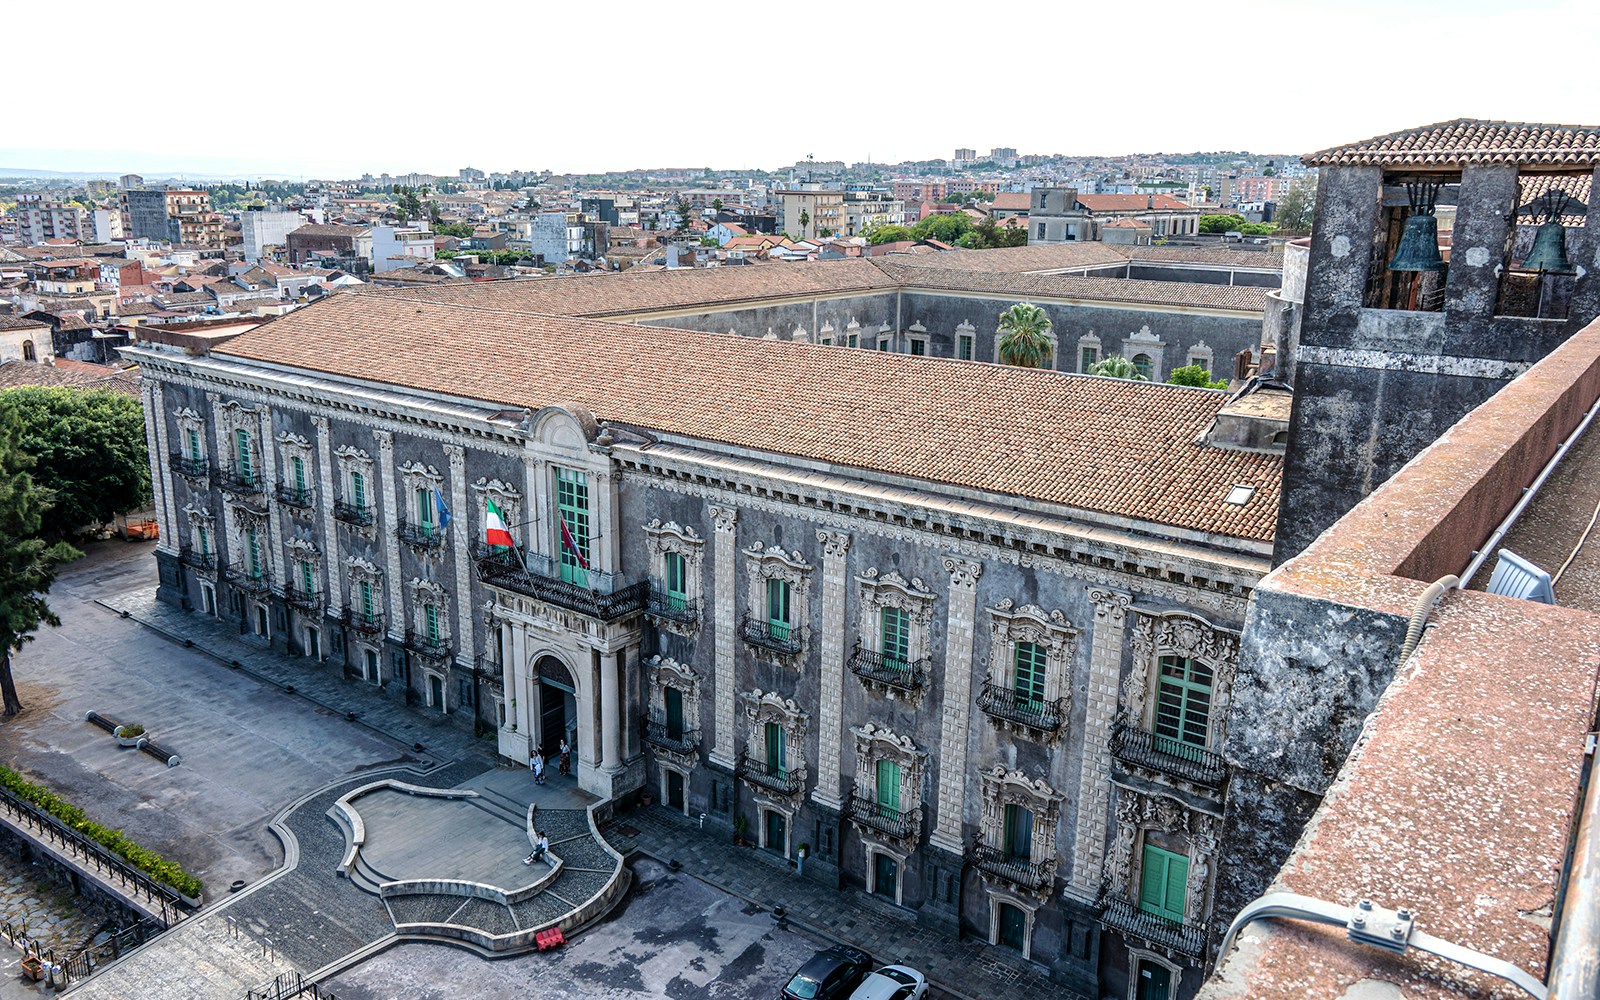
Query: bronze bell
point(1419, 245)
point(1549, 251)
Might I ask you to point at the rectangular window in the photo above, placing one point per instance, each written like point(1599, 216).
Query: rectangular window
point(777, 750)
point(241, 446)
point(677, 581)
point(298, 465)
point(425, 509)
point(827, 341)
point(1040, 234)
point(1018, 833)
point(919, 348)
point(674, 699)
point(964, 347)
point(778, 608)
point(1087, 358)
point(252, 543)
point(205, 541)
point(889, 785)
point(367, 610)
point(1183, 707)
point(1162, 882)
point(572, 508)
point(1027, 681)
point(358, 491)
point(896, 636)
point(308, 579)
point(885, 344)
point(430, 619)
point(193, 439)
point(853, 341)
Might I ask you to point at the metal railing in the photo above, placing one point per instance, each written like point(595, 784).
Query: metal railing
point(309, 601)
point(900, 824)
point(500, 568)
point(234, 481)
point(778, 637)
point(1032, 875)
point(250, 583)
point(490, 671)
point(349, 513)
point(289, 986)
point(658, 734)
point(774, 778)
point(294, 496)
point(908, 675)
point(198, 560)
point(194, 468)
point(1121, 915)
point(370, 624)
point(1004, 703)
point(672, 607)
point(1133, 745)
point(424, 645)
point(420, 536)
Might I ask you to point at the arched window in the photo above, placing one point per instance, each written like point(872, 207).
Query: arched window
point(1143, 365)
point(28, 353)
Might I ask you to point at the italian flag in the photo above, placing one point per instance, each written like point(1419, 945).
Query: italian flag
point(495, 531)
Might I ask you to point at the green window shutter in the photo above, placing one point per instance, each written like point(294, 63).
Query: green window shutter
point(964, 347)
point(778, 608)
point(241, 443)
point(777, 761)
point(1027, 681)
point(896, 629)
point(674, 713)
point(358, 490)
point(194, 442)
point(252, 543)
point(430, 615)
point(424, 507)
point(677, 580)
point(852, 341)
point(572, 506)
point(299, 466)
point(889, 785)
point(366, 600)
point(1163, 883)
point(205, 541)
point(1183, 707)
point(1088, 359)
point(307, 578)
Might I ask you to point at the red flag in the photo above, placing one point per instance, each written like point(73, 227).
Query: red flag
point(572, 546)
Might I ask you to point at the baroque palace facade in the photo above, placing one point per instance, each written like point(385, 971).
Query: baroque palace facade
point(962, 633)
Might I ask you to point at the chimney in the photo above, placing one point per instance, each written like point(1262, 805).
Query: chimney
point(1151, 202)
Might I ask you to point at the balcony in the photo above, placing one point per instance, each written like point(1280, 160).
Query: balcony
point(259, 585)
point(293, 496)
point(489, 671)
point(504, 569)
point(1003, 704)
point(1126, 918)
point(1161, 754)
point(245, 483)
point(875, 668)
point(672, 608)
point(359, 515)
point(1033, 876)
point(428, 647)
point(190, 468)
point(780, 780)
point(197, 560)
point(661, 736)
point(366, 624)
point(896, 824)
point(307, 601)
point(785, 639)
point(425, 537)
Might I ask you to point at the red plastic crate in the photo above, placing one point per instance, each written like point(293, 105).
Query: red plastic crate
point(551, 938)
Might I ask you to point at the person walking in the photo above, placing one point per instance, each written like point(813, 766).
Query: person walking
point(538, 768)
point(566, 757)
point(533, 755)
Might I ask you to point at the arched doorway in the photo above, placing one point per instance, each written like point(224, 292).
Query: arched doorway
point(558, 706)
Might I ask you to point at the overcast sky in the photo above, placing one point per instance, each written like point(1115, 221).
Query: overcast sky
point(323, 89)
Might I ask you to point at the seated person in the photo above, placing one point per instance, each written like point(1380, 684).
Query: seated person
point(541, 847)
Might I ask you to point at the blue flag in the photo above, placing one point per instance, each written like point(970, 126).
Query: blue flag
point(444, 509)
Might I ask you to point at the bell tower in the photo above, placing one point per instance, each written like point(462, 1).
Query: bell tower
point(1444, 262)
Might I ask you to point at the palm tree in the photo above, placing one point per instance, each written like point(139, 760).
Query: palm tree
point(1117, 366)
point(1024, 336)
point(805, 220)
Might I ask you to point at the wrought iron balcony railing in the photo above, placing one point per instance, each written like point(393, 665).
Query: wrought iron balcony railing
point(259, 584)
point(908, 675)
point(193, 468)
point(293, 496)
point(245, 483)
point(773, 777)
point(672, 607)
point(676, 739)
point(429, 647)
point(309, 601)
point(1003, 703)
point(1021, 872)
point(775, 636)
point(502, 568)
point(900, 824)
point(198, 560)
point(1123, 916)
point(370, 624)
point(1138, 748)
point(490, 671)
point(420, 536)
point(349, 513)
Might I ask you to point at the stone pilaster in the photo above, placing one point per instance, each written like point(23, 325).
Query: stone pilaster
point(1100, 712)
point(386, 535)
point(269, 484)
point(461, 556)
point(724, 562)
point(518, 688)
point(607, 525)
point(330, 528)
point(835, 552)
point(155, 432)
point(610, 713)
point(959, 710)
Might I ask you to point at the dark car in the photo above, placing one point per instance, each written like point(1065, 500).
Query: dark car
point(829, 975)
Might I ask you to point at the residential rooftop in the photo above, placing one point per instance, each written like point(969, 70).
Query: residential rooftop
point(1455, 143)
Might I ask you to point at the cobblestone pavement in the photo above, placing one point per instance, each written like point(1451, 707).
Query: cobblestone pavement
point(888, 933)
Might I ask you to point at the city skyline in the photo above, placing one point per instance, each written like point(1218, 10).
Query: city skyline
point(1172, 95)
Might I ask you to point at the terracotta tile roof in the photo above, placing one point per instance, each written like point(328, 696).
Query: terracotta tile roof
point(330, 230)
point(1225, 256)
point(1127, 224)
point(1132, 203)
point(21, 323)
point(1067, 286)
point(1041, 257)
point(1011, 201)
point(71, 374)
point(1119, 447)
point(1467, 140)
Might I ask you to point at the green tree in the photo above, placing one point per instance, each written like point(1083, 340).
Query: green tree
point(27, 562)
point(1220, 223)
point(1116, 366)
point(1024, 336)
point(944, 228)
point(1297, 209)
point(685, 214)
point(716, 205)
point(1195, 375)
point(1258, 228)
point(805, 220)
point(88, 449)
point(462, 230)
point(532, 204)
point(887, 233)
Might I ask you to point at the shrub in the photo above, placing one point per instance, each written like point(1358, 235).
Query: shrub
point(130, 732)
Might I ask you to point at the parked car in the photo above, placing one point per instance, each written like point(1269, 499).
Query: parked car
point(892, 982)
point(829, 975)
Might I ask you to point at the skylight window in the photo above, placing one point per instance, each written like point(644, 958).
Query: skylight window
point(1240, 494)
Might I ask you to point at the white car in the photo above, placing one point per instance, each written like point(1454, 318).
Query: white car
point(892, 982)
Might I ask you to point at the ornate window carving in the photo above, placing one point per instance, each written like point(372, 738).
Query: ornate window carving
point(774, 762)
point(202, 551)
point(892, 644)
point(1175, 699)
point(365, 598)
point(421, 489)
point(1030, 661)
point(240, 428)
point(676, 555)
point(301, 586)
point(296, 487)
point(673, 725)
point(1144, 349)
point(1016, 849)
point(191, 435)
point(1202, 355)
point(774, 621)
point(1151, 832)
point(428, 634)
point(1090, 351)
point(507, 498)
point(357, 502)
point(886, 803)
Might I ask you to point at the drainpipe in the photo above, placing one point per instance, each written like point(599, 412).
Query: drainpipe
point(1575, 964)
